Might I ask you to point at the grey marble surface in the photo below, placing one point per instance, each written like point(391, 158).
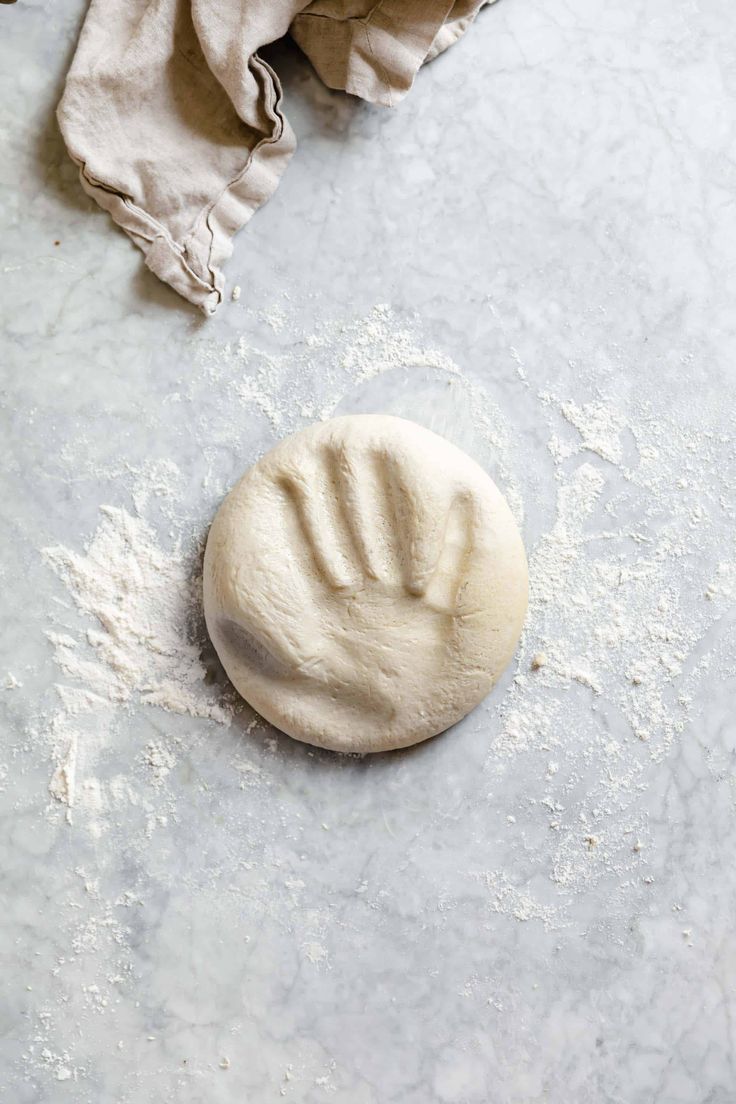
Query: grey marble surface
point(553, 208)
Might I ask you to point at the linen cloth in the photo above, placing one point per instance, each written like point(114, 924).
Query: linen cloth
point(176, 122)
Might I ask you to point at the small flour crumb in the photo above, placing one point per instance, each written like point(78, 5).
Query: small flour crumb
point(63, 780)
point(235, 293)
point(314, 952)
point(600, 426)
point(160, 759)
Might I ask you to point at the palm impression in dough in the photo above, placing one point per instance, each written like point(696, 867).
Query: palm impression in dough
point(364, 584)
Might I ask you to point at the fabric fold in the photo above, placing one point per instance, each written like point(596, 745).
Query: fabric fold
point(176, 124)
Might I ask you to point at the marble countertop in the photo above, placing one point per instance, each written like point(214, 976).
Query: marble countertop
point(538, 905)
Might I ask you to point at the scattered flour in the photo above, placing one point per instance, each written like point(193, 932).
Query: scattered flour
point(507, 900)
point(161, 759)
point(319, 372)
point(140, 604)
point(619, 605)
point(630, 574)
point(599, 425)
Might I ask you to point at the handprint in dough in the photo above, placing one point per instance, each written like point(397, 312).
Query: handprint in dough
point(378, 565)
point(365, 584)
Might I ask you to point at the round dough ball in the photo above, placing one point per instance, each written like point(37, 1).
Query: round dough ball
point(365, 584)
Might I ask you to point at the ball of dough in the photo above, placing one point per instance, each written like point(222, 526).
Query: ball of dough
point(365, 584)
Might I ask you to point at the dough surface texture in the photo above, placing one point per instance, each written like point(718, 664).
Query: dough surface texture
point(365, 584)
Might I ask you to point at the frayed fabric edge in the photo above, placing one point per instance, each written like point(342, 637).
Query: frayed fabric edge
point(193, 267)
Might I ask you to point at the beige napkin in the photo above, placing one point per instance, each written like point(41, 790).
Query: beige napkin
point(176, 122)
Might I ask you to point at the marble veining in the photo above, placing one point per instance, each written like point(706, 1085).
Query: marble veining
point(553, 206)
